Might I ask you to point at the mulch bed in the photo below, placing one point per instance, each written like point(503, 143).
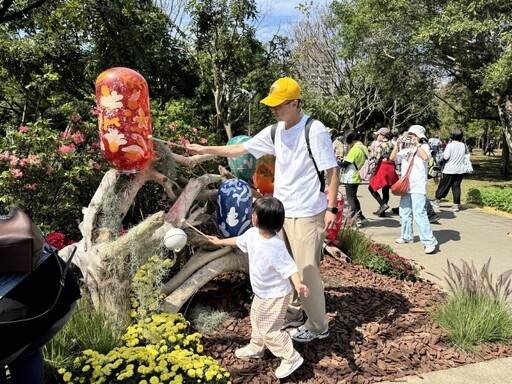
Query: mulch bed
point(380, 330)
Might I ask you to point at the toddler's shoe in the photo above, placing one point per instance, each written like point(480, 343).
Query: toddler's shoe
point(286, 368)
point(247, 353)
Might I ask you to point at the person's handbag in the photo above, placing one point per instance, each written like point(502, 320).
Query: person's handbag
point(21, 242)
point(401, 187)
point(468, 167)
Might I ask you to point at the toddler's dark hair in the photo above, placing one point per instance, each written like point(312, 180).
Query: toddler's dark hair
point(269, 213)
point(456, 134)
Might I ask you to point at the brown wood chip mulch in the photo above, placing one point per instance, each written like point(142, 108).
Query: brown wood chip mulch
point(380, 330)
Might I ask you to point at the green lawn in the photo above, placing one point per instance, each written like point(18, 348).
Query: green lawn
point(485, 175)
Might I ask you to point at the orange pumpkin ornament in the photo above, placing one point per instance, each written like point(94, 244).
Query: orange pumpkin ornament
point(124, 120)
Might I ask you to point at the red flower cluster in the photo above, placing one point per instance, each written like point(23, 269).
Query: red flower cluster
point(387, 262)
point(58, 240)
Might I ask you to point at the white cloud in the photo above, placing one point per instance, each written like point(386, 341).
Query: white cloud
point(280, 15)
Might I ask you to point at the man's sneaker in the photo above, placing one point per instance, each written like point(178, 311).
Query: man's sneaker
point(247, 353)
point(430, 248)
point(435, 203)
point(287, 368)
point(303, 335)
point(404, 241)
point(455, 208)
point(396, 210)
point(292, 323)
point(434, 219)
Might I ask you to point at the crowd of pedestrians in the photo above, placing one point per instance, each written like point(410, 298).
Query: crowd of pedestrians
point(392, 152)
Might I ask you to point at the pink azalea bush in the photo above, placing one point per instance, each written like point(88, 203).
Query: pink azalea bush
point(51, 174)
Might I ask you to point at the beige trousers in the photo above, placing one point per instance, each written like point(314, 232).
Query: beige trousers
point(267, 317)
point(304, 238)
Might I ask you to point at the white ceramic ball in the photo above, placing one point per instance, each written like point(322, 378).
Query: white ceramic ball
point(175, 239)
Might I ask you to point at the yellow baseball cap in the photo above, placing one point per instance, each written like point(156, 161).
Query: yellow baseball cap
point(282, 90)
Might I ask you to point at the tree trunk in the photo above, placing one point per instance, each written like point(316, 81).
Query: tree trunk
point(505, 112)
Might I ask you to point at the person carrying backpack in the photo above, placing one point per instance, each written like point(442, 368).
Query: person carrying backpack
point(350, 178)
point(385, 175)
point(309, 213)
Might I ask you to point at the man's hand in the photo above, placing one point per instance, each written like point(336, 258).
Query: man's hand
point(330, 220)
point(196, 148)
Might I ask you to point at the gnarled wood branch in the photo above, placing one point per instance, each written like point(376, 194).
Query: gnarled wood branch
point(233, 261)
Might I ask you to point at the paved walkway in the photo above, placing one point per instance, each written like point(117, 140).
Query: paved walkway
point(470, 235)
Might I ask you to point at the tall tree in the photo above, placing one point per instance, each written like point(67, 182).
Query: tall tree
point(228, 55)
point(49, 61)
point(466, 42)
point(357, 89)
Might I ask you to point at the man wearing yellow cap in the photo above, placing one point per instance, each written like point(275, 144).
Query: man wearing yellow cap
point(309, 214)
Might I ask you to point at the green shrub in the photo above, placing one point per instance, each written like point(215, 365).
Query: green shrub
point(86, 329)
point(51, 175)
point(385, 261)
point(354, 244)
point(498, 198)
point(377, 257)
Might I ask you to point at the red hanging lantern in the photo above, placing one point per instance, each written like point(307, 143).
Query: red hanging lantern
point(124, 119)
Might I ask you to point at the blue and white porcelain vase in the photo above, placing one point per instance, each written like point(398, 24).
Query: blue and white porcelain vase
point(235, 208)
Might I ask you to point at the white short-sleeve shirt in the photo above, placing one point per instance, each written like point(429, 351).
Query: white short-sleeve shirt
point(455, 153)
point(296, 182)
point(419, 172)
point(270, 264)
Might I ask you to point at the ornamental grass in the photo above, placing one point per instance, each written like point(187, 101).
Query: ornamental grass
point(477, 310)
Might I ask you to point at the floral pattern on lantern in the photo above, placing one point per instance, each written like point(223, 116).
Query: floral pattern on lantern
point(124, 121)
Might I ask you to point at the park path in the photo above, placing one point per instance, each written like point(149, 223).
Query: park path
point(471, 235)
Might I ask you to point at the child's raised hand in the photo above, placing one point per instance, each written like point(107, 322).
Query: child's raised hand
point(302, 288)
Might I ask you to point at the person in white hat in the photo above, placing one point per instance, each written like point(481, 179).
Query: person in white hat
point(412, 204)
point(309, 213)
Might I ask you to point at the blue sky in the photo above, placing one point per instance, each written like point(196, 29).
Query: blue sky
point(280, 14)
